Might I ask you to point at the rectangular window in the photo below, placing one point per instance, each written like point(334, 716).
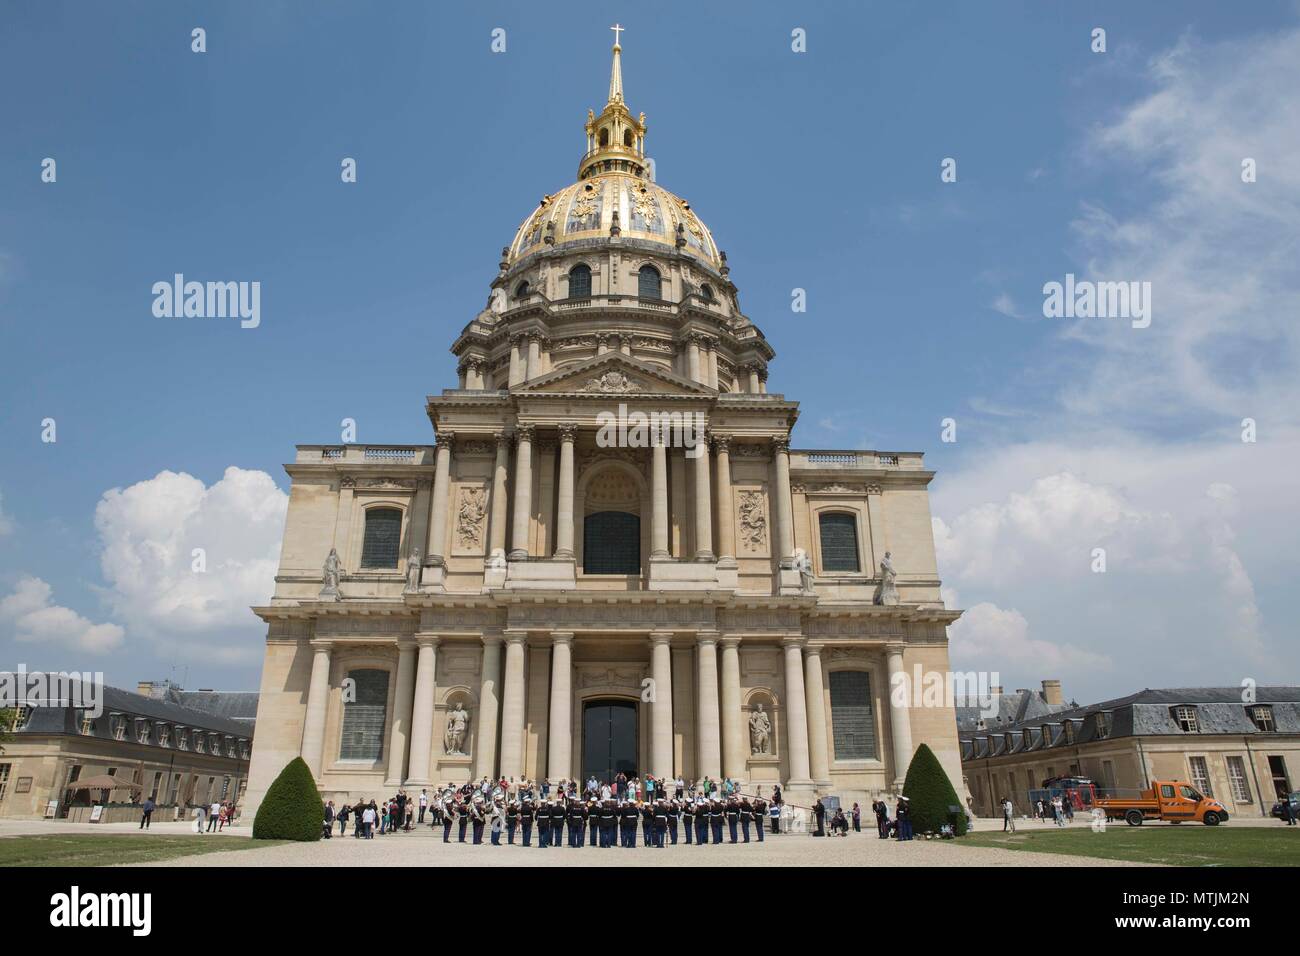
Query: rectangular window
point(1108, 776)
point(1201, 775)
point(175, 789)
point(157, 786)
point(1186, 719)
point(362, 737)
point(1262, 717)
point(1281, 782)
point(382, 538)
point(1237, 780)
point(5, 768)
point(839, 541)
point(852, 720)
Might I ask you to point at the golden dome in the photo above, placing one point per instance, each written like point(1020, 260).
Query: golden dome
point(614, 194)
point(587, 210)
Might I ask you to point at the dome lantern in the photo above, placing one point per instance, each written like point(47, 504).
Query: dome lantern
point(615, 138)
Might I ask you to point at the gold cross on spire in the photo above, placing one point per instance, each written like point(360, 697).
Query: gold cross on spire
point(617, 30)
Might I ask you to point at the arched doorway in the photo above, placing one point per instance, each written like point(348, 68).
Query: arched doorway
point(609, 739)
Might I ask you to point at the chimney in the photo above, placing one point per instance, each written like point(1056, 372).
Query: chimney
point(996, 690)
point(144, 688)
point(1052, 692)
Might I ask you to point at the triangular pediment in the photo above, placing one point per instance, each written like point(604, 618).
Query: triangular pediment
point(612, 374)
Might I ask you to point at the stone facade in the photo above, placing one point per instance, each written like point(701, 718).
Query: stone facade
point(750, 574)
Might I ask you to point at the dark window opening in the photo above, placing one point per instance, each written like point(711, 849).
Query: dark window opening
point(839, 541)
point(383, 537)
point(611, 543)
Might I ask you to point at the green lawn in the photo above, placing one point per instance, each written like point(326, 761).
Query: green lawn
point(1185, 845)
point(92, 849)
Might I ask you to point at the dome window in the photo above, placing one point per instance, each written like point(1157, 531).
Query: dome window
point(706, 292)
point(627, 138)
point(649, 283)
point(604, 137)
point(580, 282)
point(522, 290)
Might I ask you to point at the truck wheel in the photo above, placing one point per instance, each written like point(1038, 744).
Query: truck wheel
point(1133, 818)
point(1211, 819)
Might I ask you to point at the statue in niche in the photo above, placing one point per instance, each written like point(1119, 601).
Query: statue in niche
point(760, 731)
point(453, 741)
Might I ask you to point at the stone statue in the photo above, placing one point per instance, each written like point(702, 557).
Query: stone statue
point(331, 573)
point(760, 730)
point(887, 593)
point(803, 564)
point(413, 572)
point(453, 742)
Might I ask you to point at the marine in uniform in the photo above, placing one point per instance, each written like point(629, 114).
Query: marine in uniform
point(760, 813)
point(674, 814)
point(543, 818)
point(627, 816)
point(701, 815)
point(512, 821)
point(746, 816)
point(647, 824)
point(462, 820)
point(732, 811)
point(607, 815)
point(557, 822)
point(477, 817)
point(593, 821)
point(660, 822)
point(526, 813)
point(715, 821)
point(577, 817)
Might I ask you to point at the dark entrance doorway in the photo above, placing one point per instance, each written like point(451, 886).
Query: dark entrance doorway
point(609, 739)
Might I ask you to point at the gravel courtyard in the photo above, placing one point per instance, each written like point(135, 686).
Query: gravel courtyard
point(423, 848)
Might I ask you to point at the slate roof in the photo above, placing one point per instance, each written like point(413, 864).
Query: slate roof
point(63, 720)
point(1149, 712)
point(1011, 709)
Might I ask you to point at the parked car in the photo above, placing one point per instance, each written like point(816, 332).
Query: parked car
point(1294, 799)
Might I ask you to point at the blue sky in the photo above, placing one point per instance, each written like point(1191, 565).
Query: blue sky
point(817, 170)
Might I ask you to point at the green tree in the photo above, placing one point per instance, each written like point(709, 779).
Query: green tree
point(930, 795)
point(7, 718)
point(292, 808)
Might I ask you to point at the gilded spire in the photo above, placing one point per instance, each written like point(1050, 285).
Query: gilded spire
point(615, 138)
point(616, 72)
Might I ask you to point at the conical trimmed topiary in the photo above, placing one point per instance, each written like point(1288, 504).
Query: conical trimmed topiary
point(292, 808)
point(930, 795)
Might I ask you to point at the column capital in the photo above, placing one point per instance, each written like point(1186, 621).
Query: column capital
point(812, 650)
point(661, 637)
point(568, 431)
point(721, 443)
point(729, 640)
point(319, 644)
point(525, 432)
point(491, 638)
point(794, 641)
point(781, 446)
point(445, 439)
point(895, 647)
point(501, 438)
point(561, 637)
point(428, 640)
point(514, 637)
point(706, 637)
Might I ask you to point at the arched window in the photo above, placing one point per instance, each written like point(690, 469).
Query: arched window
point(706, 292)
point(580, 282)
point(522, 289)
point(648, 283)
point(383, 536)
point(362, 737)
point(627, 138)
point(604, 137)
point(839, 540)
point(611, 543)
point(853, 726)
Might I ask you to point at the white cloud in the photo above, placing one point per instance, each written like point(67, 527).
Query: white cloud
point(35, 620)
point(986, 634)
point(1004, 304)
point(148, 533)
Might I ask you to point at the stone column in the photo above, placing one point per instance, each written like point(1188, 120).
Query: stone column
point(422, 714)
point(512, 707)
point(659, 499)
point(318, 692)
point(713, 364)
point(900, 719)
point(661, 707)
point(726, 510)
point(818, 745)
point(403, 697)
point(499, 502)
point(534, 356)
point(693, 359)
point(703, 504)
point(733, 745)
point(781, 504)
point(559, 738)
point(564, 507)
point(602, 344)
point(523, 492)
point(710, 751)
point(753, 378)
point(441, 490)
point(796, 715)
point(485, 743)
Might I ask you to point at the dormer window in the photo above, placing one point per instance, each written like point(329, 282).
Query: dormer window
point(141, 730)
point(164, 735)
point(118, 724)
point(1101, 725)
point(522, 290)
point(182, 738)
point(1262, 717)
point(1186, 719)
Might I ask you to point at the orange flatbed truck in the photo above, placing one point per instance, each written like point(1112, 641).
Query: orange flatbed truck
point(1171, 800)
